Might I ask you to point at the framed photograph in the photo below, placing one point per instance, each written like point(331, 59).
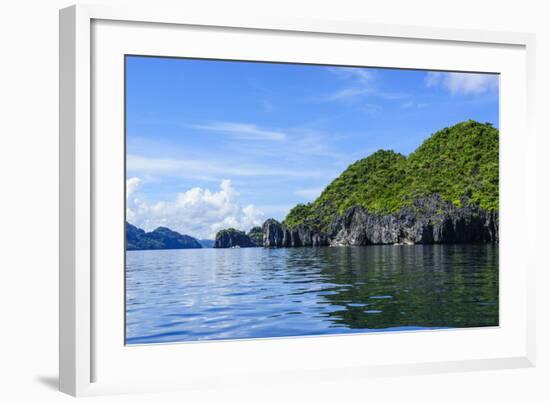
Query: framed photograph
point(278, 200)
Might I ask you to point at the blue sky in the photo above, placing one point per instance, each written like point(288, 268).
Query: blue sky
point(213, 144)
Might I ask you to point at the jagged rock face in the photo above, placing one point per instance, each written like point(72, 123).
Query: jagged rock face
point(273, 233)
point(427, 221)
point(278, 235)
point(231, 238)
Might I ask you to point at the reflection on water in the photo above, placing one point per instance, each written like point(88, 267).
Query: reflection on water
point(207, 294)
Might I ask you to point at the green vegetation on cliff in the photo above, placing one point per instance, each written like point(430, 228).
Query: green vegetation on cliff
point(458, 163)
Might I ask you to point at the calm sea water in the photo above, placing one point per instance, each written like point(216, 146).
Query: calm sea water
point(212, 294)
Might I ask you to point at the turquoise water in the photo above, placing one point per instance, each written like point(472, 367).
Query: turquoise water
point(214, 294)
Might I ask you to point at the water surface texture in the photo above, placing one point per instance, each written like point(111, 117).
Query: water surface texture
point(214, 294)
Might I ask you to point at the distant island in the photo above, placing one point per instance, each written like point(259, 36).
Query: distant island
point(446, 191)
point(160, 238)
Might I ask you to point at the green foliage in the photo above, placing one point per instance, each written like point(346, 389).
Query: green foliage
point(458, 163)
point(228, 231)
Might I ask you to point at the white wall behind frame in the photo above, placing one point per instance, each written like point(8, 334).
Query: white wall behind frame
point(28, 165)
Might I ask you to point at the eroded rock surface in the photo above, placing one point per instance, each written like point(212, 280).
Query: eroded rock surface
point(429, 220)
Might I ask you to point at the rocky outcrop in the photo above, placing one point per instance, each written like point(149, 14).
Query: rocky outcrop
point(428, 220)
point(256, 235)
point(231, 238)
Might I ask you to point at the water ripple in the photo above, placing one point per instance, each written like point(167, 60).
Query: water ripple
point(213, 294)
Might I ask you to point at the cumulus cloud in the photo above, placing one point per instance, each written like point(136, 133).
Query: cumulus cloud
point(197, 212)
point(131, 186)
point(462, 83)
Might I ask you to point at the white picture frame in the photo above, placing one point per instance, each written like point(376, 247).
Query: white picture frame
point(82, 343)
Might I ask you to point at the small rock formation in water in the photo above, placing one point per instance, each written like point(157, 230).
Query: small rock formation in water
point(256, 235)
point(160, 238)
point(429, 220)
point(232, 238)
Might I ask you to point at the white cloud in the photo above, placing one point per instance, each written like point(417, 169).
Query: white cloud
point(362, 82)
point(131, 185)
point(242, 131)
point(347, 93)
point(207, 169)
point(197, 212)
point(462, 83)
point(433, 79)
point(361, 75)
